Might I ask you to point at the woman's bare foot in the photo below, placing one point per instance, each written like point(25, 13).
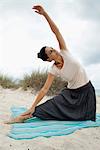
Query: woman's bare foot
point(14, 120)
point(19, 119)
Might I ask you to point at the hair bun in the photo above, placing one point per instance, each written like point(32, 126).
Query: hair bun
point(42, 54)
point(39, 55)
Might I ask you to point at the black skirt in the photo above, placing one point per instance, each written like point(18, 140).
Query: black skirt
point(70, 105)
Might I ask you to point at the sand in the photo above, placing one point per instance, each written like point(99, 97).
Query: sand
point(84, 139)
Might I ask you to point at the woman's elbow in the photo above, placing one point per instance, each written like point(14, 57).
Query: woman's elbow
point(55, 30)
point(44, 90)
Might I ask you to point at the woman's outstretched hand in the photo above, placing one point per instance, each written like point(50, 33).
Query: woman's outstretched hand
point(29, 112)
point(39, 9)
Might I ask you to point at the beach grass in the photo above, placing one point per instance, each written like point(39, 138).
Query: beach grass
point(7, 82)
point(36, 81)
point(33, 81)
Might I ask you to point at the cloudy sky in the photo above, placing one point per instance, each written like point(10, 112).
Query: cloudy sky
point(23, 33)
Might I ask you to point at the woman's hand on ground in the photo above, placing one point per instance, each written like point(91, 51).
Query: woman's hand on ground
point(29, 112)
point(39, 9)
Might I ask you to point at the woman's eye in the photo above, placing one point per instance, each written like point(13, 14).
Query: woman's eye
point(50, 51)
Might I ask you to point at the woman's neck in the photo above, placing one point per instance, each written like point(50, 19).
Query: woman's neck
point(59, 62)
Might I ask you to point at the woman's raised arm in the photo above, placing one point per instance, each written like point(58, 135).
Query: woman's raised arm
point(39, 9)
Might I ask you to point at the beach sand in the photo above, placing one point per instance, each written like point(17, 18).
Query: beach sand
point(84, 139)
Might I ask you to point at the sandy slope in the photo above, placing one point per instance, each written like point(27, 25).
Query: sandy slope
point(85, 139)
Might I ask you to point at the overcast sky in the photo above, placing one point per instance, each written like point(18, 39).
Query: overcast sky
point(23, 33)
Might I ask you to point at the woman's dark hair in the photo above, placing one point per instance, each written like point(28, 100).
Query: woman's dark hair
point(42, 54)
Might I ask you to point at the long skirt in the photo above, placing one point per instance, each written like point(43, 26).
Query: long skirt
point(70, 105)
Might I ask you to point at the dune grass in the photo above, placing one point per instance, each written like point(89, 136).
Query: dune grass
point(34, 81)
point(7, 82)
point(37, 79)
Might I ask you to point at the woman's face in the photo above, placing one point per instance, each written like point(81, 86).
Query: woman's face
point(51, 53)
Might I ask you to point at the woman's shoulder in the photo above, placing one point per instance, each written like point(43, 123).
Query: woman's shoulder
point(53, 69)
point(65, 53)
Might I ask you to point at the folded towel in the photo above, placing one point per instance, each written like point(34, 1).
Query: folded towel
point(35, 127)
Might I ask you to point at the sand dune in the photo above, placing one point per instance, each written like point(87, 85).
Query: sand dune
point(80, 140)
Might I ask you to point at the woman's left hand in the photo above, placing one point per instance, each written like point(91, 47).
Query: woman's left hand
point(39, 9)
point(28, 112)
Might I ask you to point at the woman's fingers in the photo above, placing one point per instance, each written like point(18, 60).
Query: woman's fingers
point(37, 12)
point(26, 113)
point(31, 115)
point(38, 9)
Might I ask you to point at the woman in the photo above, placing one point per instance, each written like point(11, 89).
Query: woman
point(77, 101)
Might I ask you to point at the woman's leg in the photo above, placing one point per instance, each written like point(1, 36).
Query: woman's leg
point(18, 119)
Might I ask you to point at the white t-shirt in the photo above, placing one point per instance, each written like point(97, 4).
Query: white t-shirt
point(72, 71)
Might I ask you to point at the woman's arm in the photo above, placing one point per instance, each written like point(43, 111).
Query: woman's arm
point(41, 94)
point(52, 25)
point(44, 89)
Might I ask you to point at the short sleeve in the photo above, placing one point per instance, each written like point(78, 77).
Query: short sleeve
point(53, 70)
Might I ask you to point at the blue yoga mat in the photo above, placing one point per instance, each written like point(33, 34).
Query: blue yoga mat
point(35, 127)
